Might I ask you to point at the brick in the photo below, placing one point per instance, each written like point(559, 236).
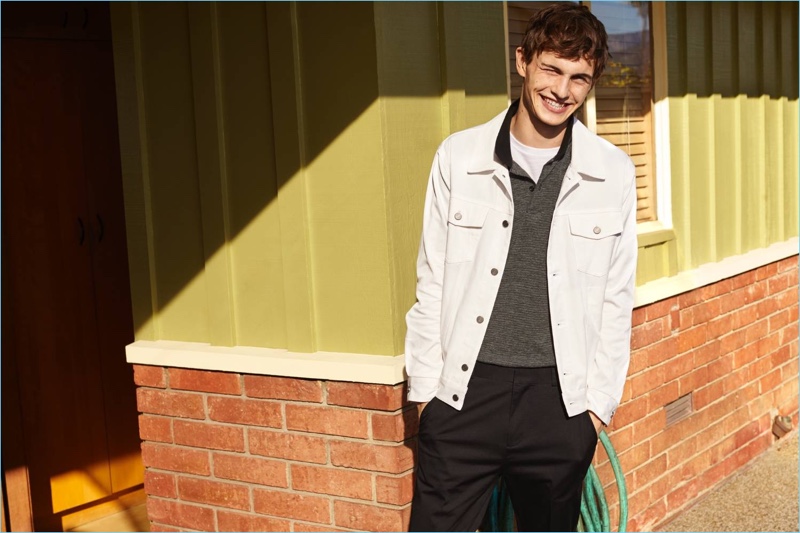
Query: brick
point(649, 426)
point(691, 338)
point(743, 317)
point(302, 390)
point(176, 459)
point(292, 505)
point(205, 435)
point(755, 291)
point(756, 331)
point(214, 493)
point(633, 459)
point(661, 351)
point(663, 395)
point(708, 394)
point(204, 381)
point(639, 316)
point(333, 481)
point(369, 517)
point(682, 495)
point(734, 381)
point(632, 410)
point(695, 379)
point(778, 321)
point(395, 427)
point(742, 280)
point(718, 327)
point(157, 428)
point(705, 312)
point(179, 404)
point(394, 490)
point(367, 396)
point(638, 360)
point(706, 353)
point(766, 307)
point(678, 366)
point(744, 357)
point(160, 484)
point(373, 457)
point(720, 367)
point(647, 381)
point(250, 412)
point(180, 514)
point(251, 469)
point(149, 376)
point(688, 299)
point(770, 382)
point(778, 283)
point(731, 342)
point(647, 333)
point(231, 521)
point(681, 452)
point(287, 446)
point(746, 434)
point(661, 308)
point(731, 301)
point(790, 263)
point(328, 420)
point(650, 470)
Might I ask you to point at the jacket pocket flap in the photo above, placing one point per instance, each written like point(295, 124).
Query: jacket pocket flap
point(466, 214)
point(595, 225)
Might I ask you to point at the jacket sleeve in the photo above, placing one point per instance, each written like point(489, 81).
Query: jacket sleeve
point(606, 375)
point(423, 346)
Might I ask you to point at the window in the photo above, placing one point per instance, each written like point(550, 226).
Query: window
point(619, 108)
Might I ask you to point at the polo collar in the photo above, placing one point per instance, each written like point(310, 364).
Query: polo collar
point(502, 146)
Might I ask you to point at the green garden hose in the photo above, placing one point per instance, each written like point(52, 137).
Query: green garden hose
point(594, 508)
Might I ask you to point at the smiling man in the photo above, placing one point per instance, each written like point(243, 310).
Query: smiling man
point(520, 336)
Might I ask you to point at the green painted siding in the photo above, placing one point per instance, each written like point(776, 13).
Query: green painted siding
point(733, 101)
point(275, 158)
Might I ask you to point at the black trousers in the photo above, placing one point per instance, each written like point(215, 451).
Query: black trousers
point(513, 424)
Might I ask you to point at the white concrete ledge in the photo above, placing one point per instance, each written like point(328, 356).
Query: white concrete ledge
point(709, 273)
point(358, 368)
point(390, 370)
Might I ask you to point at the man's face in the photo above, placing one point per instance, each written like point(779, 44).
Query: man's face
point(553, 87)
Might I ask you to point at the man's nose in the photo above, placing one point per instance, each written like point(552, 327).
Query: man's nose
point(561, 87)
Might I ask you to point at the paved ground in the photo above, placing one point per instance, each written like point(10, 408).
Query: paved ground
point(763, 497)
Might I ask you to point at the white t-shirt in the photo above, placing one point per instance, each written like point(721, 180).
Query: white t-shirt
point(532, 160)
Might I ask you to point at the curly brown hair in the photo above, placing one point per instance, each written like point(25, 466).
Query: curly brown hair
point(570, 31)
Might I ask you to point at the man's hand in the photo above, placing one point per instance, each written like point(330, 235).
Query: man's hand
point(598, 424)
point(421, 407)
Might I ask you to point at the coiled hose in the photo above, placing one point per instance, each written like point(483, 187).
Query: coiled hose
point(594, 508)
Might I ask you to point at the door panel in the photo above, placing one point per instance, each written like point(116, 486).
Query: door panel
point(66, 296)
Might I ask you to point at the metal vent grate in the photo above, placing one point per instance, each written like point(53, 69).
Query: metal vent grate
point(679, 409)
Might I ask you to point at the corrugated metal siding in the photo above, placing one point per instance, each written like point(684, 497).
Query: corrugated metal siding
point(733, 98)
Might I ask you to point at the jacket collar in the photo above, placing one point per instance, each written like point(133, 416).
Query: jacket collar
point(493, 152)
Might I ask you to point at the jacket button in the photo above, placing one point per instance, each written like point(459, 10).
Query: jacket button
point(494, 272)
point(596, 230)
point(455, 397)
point(479, 320)
point(457, 216)
point(505, 223)
point(464, 368)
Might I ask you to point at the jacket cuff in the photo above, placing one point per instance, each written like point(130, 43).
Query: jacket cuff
point(601, 404)
point(422, 389)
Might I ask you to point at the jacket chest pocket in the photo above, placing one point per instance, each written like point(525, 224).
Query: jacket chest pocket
point(464, 225)
point(593, 239)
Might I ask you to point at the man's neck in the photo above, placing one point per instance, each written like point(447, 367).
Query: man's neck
point(532, 132)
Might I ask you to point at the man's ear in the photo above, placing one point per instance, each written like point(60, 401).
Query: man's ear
point(522, 66)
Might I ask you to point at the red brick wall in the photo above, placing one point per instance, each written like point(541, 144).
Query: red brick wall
point(733, 345)
point(237, 452)
point(230, 452)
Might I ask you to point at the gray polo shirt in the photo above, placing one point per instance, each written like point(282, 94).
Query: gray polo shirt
point(518, 333)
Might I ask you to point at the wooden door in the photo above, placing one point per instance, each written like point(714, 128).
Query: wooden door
point(66, 298)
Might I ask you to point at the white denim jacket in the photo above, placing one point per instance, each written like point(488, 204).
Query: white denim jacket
point(591, 266)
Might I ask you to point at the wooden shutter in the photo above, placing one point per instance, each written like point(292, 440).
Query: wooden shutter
point(622, 97)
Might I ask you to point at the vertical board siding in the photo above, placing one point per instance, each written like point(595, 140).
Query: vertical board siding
point(274, 190)
point(733, 116)
point(177, 244)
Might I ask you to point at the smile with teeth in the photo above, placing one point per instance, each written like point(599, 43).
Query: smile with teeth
point(552, 104)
